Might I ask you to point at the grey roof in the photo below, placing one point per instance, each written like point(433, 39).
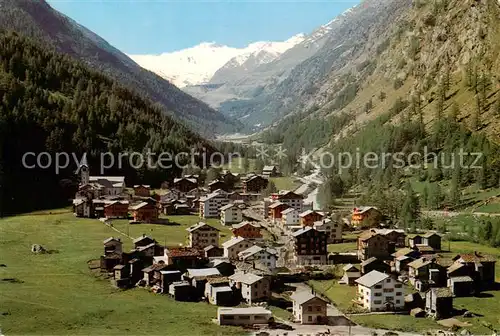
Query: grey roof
point(136, 240)
point(142, 248)
point(246, 278)
point(138, 206)
point(284, 212)
point(200, 225)
point(242, 224)
point(440, 292)
point(465, 278)
point(170, 272)
point(348, 267)
point(368, 261)
point(250, 251)
point(202, 272)
point(233, 241)
point(111, 239)
point(301, 231)
point(372, 278)
point(243, 311)
point(227, 206)
point(222, 289)
point(303, 296)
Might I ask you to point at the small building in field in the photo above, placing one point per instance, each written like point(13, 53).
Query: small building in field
point(167, 277)
point(480, 267)
point(275, 211)
point(425, 272)
point(351, 274)
point(216, 185)
point(181, 291)
point(143, 240)
point(230, 214)
point(366, 217)
point(308, 308)
point(202, 235)
point(244, 316)
point(290, 217)
point(247, 230)
point(142, 190)
point(433, 240)
point(254, 184)
point(113, 245)
point(401, 263)
point(374, 264)
point(372, 244)
point(439, 302)
point(253, 287)
point(379, 292)
point(396, 237)
point(291, 199)
point(332, 229)
point(461, 286)
point(415, 240)
point(212, 251)
point(267, 256)
point(197, 277)
point(270, 171)
point(210, 204)
point(219, 292)
point(144, 212)
point(310, 247)
point(308, 217)
point(234, 246)
point(182, 258)
point(116, 209)
point(185, 184)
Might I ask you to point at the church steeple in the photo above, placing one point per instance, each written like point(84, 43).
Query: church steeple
point(84, 171)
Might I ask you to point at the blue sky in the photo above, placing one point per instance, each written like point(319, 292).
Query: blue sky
point(153, 27)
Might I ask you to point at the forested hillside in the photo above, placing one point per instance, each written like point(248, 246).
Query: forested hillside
point(38, 20)
point(426, 80)
point(50, 102)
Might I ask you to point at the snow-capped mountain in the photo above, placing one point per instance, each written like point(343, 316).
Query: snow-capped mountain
point(197, 65)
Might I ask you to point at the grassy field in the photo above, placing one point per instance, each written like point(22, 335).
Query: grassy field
point(173, 234)
point(285, 183)
point(342, 247)
point(56, 294)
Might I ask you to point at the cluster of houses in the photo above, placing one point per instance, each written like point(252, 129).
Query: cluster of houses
point(107, 197)
point(225, 197)
point(390, 260)
point(244, 268)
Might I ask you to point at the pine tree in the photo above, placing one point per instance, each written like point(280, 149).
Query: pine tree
point(476, 117)
point(455, 194)
point(455, 112)
point(410, 211)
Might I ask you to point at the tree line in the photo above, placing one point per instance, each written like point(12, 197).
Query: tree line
point(52, 103)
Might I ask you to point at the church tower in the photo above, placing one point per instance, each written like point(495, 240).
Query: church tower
point(84, 171)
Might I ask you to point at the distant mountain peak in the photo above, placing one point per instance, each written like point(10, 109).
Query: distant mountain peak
point(196, 65)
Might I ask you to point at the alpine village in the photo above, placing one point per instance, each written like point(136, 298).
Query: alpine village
point(271, 241)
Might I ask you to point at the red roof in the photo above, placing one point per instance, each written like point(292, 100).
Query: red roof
point(183, 252)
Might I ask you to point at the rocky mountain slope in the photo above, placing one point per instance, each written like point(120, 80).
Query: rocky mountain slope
point(39, 21)
point(239, 91)
point(436, 57)
point(197, 65)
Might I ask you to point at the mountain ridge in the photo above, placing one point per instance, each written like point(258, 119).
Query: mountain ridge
point(206, 58)
point(37, 19)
